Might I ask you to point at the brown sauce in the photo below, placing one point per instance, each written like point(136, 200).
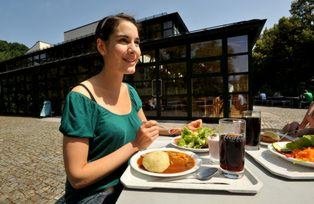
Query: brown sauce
point(179, 162)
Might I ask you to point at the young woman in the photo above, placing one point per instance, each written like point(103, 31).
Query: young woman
point(103, 122)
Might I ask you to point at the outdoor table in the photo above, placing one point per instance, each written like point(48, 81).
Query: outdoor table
point(275, 189)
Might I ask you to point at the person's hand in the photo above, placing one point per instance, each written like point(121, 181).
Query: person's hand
point(146, 134)
point(195, 124)
point(291, 127)
point(175, 131)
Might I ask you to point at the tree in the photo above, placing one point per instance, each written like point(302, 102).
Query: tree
point(11, 50)
point(282, 56)
point(303, 9)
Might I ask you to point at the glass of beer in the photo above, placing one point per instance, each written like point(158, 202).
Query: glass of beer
point(232, 147)
point(253, 129)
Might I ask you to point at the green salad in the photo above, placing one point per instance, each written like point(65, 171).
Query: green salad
point(302, 142)
point(195, 139)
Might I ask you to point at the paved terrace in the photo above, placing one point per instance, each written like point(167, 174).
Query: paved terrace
point(31, 165)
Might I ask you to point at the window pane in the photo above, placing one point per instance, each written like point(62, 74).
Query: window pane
point(167, 24)
point(148, 56)
point(206, 49)
point(173, 70)
point(239, 103)
point(177, 52)
point(207, 106)
point(238, 64)
point(167, 33)
point(174, 87)
point(174, 106)
point(206, 67)
point(206, 86)
point(237, 44)
point(143, 88)
point(144, 73)
point(238, 83)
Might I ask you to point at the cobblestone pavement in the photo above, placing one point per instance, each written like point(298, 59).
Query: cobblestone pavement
point(31, 165)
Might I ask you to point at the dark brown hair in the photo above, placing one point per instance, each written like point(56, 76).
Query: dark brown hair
point(108, 25)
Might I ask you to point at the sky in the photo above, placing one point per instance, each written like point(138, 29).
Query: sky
point(30, 21)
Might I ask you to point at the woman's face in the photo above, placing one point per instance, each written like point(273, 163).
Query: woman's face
point(122, 48)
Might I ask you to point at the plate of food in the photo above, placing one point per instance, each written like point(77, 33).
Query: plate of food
point(165, 162)
point(195, 141)
point(300, 151)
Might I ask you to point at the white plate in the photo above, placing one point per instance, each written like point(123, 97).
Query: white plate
point(134, 165)
point(292, 160)
point(202, 150)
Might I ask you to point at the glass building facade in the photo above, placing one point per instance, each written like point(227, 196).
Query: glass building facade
point(181, 74)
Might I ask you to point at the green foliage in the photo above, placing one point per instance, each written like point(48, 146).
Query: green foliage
point(11, 50)
point(282, 57)
point(302, 9)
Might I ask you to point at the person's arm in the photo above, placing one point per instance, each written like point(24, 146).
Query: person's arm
point(82, 173)
point(193, 125)
point(309, 115)
point(305, 131)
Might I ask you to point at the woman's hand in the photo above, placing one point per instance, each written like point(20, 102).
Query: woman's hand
point(195, 124)
point(146, 134)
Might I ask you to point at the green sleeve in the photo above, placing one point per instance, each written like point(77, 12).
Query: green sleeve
point(78, 118)
point(136, 100)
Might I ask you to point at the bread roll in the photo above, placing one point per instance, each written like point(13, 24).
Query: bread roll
point(156, 161)
point(269, 137)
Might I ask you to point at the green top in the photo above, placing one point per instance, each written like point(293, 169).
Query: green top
point(106, 131)
point(308, 96)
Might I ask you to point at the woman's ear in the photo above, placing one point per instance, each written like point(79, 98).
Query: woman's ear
point(101, 47)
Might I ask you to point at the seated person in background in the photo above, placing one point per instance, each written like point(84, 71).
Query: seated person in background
point(306, 127)
point(263, 97)
point(308, 96)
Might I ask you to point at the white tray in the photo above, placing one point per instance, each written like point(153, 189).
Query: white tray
point(279, 166)
point(247, 184)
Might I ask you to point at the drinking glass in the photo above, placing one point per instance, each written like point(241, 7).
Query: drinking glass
point(253, 129)
point(213, 147)
point(232, 147)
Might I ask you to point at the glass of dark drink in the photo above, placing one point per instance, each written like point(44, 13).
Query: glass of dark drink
point(253, 129)
point(232, 147)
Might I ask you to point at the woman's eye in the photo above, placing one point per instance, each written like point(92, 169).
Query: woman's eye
point(123, 40)
point(137, 42)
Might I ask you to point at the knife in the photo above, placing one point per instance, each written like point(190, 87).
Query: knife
point(286, 136)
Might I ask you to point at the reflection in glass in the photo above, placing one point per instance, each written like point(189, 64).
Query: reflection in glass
point(239, 103)
point(238, 64)
point(149, 105)
point(207, 106)
point(237, 44)
point(168, 33)
point(148, 56)
point(206, 49)
point(206, 86)
point(172, 53)
point(153, 31)
point(173, 70)
point(167, 25)
point(144, 73)
point(174, 106)
point(239, 83)
point(206, 67)
point(143, 88)
point(174, 87)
